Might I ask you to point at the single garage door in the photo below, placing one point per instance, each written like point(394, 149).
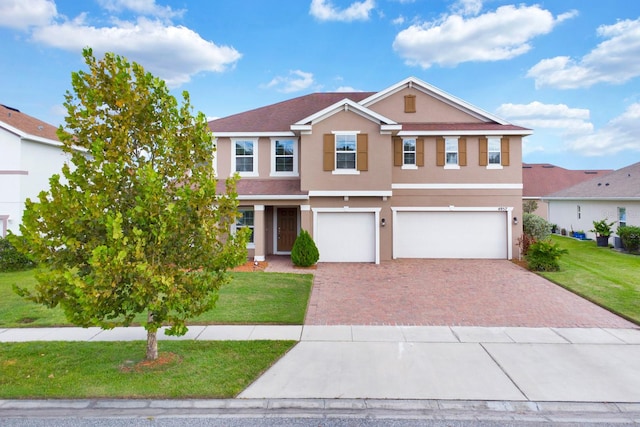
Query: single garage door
point(450, 235)
point(346, 236)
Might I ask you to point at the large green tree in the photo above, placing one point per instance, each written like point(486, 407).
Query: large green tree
point(134, 226)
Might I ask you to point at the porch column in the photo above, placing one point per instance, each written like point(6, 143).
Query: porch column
point(258, 233)
point(306, 219)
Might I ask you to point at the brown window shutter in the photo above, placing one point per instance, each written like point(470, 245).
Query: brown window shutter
point(420, 152)
point(409, 103)
point(362, 159)
point(484, 148)
point(504, 151)
point(462, 151)
point(329, 148)
point(439, 151)
point(397, 151)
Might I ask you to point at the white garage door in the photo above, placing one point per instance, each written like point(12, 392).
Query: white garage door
point(346, 236)
point(450, 235)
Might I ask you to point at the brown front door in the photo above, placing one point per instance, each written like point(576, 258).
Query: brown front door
point(287, 228)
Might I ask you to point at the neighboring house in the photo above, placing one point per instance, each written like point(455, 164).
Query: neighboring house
point(407, 172)
point(542, 179)
point(29, 154)
point(614, 196)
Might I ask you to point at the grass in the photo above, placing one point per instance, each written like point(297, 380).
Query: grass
point(607, 277)
point(251, 298)
point(187, 369)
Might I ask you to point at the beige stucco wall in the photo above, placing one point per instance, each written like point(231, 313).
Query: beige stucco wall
point(380, 156)
point(428, 109)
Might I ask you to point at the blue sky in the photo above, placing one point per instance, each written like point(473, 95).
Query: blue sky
point(568, 69)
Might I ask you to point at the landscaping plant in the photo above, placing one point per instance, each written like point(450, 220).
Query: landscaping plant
point(134, 226)
point(544, 255)
point(304, 252)
point(630, 236)
point(535, 226)
point(11, 259)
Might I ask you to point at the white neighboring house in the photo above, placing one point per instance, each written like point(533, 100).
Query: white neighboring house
point(614, 196)
point(30, 153)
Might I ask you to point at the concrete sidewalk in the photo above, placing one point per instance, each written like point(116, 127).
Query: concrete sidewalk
point(423, 362)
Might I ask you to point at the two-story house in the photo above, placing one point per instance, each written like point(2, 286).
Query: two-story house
point(30, 153)
point(407, 172)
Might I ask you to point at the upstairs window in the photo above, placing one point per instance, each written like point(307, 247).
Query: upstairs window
point(451, 151)
point(245, 157)
point(346, 151)
point(494, 151)
point(284, 159)
point(409, 151)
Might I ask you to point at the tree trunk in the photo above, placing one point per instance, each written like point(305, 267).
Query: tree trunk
point(152, 340)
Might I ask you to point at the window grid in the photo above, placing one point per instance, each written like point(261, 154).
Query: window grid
point(622, 217)
point(494, 151)
point(244, 156)
point(284, 156)
point(451, 151)
point(409, 151)
point(346, 151)
point(246, 219)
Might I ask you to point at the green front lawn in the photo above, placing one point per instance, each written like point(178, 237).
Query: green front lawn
point(186, 369)
point(602, 275)
point(251, 298)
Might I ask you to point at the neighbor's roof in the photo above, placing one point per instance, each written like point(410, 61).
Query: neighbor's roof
point(27, 125)
point(279, 117)
point(542, 179)
point(621, 184)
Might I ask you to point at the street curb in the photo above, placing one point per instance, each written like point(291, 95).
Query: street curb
point(581, 412)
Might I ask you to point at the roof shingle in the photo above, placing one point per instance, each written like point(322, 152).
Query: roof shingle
point(27, 124)
point(621, 184)
point(542, 179)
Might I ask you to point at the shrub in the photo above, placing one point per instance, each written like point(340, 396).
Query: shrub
point(602, 228)
point(304, 252)
point(524, 242)
point(544, 256)
point(11, 259)
point(630, 237)
point(529, 206)
point(535, 226)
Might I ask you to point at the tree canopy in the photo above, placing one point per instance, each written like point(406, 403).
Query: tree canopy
point(134, 225)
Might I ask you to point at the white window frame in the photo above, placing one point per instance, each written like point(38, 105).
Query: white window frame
point(251, 243)
point(413, 165)
point(496, 140)
point(579, 211)
point(274, 156)
point(336, 170)
point(255, 156)
point(453, 140)
point(622, 216)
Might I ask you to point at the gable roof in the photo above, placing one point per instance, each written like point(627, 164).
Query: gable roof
point(26, 126)
point(279, 117)
point(622, 184)
point(288, 117)
point(541, 179)
point(447, 98)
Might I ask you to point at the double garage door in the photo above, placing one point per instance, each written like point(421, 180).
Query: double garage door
point(457, 234)
point(353, 236)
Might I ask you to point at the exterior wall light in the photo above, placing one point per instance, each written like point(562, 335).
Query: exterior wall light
point(515, 220)
point(383, 222)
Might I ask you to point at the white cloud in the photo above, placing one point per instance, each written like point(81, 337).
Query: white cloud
point(174, 53)
point(616, 60)
point(21, 14)
point(296, 81)
point(467, 7)
point(502, 34)
point(143, 7)
point(324, 10)
point(398, 21)
point(347, 89)
point(621, 133)
point(572, 122)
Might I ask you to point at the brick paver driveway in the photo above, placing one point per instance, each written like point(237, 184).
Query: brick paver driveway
point(448, 293)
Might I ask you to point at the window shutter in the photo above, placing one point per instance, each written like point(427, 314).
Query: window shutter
point(462, 151)
point(439, 151)
point(484, 148)
point(329, 148)
point(409, 103)
point(362, 160)
point(420, 152)
point(504, 151)
point(397, 151)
